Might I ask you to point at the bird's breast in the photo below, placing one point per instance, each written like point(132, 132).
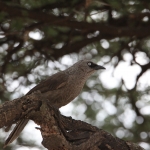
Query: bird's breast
point(72, 91)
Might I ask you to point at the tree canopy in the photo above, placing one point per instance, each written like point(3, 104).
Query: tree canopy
point(39, 38)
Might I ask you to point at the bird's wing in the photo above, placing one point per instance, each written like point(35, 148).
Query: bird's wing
point(54, 82)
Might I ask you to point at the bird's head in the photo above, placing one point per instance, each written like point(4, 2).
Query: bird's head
point(89, 67)
point(85, 67)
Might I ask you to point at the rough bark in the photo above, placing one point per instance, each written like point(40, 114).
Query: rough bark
point(60, 132)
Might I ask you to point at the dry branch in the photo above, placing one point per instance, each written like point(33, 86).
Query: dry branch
point(60, 132)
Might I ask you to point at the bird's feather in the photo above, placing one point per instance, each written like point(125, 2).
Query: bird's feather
point(16, 131)
point(54, 82)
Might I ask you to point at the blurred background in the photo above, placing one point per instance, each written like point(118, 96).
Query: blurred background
point(39, 38)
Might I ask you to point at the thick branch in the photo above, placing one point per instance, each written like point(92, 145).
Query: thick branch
point(12, 111)
point(60, 132)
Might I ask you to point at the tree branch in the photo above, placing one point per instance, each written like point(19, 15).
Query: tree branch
point(65, 21)
point(60, 132)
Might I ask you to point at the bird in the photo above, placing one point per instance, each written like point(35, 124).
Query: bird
point(59, 89)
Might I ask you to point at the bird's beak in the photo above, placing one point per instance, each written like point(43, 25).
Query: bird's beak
point(97, 67)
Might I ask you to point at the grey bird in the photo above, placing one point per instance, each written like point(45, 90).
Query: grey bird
point(60, 89)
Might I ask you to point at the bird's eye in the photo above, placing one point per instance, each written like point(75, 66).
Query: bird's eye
point(89, 63)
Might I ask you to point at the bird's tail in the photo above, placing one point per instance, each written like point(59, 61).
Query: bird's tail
point(16, 131)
